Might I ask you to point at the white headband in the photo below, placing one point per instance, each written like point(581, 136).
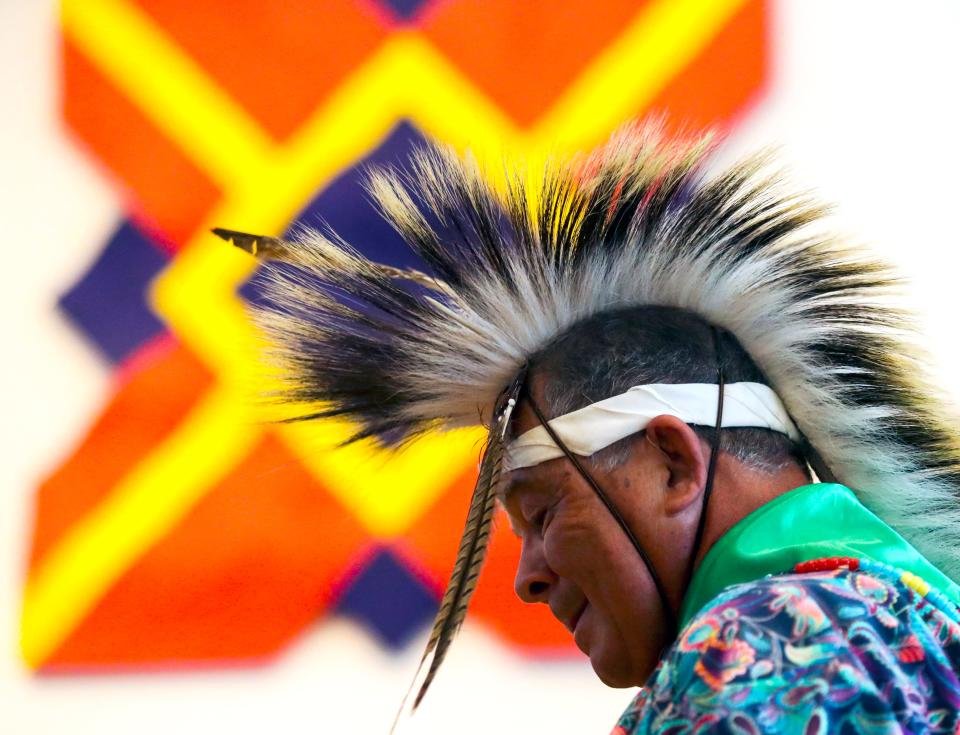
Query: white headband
point(590, 429)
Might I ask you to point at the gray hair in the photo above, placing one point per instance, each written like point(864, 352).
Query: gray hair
point(610, 352)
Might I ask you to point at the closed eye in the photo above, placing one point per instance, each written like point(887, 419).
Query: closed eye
point(539, 520)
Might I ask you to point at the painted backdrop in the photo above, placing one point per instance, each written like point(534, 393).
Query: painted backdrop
point(185, 530)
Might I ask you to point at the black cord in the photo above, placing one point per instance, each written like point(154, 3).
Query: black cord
point(712, 466)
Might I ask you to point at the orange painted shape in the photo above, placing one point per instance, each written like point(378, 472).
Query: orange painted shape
point(251, 565)
point(431, 544)
point(167, 193)
point(160, 385)
point(279, 60)
point(724, 81)
point(524, 54)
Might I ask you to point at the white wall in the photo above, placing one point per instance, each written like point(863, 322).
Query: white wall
point(862, 102)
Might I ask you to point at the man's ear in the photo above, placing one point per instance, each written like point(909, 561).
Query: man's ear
point(685, 459)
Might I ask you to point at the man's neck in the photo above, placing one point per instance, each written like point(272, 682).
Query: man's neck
point(739, 490)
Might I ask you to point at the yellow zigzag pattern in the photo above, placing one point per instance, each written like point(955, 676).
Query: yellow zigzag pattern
point(264, 186)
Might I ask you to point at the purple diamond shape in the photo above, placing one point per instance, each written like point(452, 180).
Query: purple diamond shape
point(108, 304)
point(405, 11)
point(387, 597)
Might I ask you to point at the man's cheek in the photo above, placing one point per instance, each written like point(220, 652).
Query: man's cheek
point(565, 551)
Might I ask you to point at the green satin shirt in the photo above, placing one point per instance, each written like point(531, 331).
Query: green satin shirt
point(810, 522)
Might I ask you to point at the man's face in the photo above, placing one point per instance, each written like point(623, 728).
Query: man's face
point(576, 558)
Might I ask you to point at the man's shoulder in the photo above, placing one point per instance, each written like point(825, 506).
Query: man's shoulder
point(800, 606)
point(800, 609)
point(781, 650)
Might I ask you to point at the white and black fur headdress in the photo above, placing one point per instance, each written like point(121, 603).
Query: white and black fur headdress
point(635, 223)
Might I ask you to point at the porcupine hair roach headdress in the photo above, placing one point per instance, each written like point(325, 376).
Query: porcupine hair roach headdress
point(636, 223)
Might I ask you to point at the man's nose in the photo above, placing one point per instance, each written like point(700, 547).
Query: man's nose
point(534, 576)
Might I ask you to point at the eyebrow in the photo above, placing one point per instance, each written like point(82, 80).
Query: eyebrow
point(509, 486)
point(517, 480)
point(502, 496)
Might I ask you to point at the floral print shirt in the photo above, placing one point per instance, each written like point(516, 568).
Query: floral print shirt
point(829, 652)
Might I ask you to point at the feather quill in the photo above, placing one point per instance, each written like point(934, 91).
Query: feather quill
point(274, 248)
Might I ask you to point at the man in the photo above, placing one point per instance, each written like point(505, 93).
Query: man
point(663, 363)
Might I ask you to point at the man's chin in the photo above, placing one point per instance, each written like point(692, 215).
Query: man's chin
point(616, 674)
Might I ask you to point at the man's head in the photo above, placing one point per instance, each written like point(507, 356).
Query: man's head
point(575, 557)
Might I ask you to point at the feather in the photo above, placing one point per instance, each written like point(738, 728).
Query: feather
point(471, 550)
point(466, 569)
